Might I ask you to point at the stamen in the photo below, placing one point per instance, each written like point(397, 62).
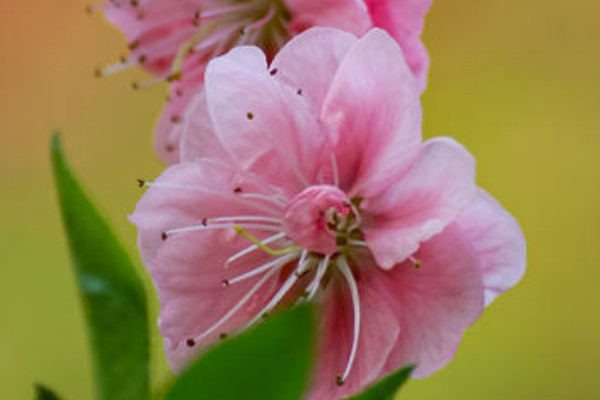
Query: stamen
point(274, 252)
point(263, 21)
point(256, 218)
point(94, 7)
point(304, 265)
point(416, 263)
point(254, 247)
point(265, 267)
point(354, 242)
point(357, 218)
point(270, 199)
point(347, 273)
point(116, 67)
point(313, 287)
point(287, 285)
point(239, 305)
point(148, 83)
point(223, 10)
point(236, 227)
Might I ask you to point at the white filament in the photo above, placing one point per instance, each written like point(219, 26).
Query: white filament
point(287, 285)
point(265, 267)
point(254, 247)
point(248, 218)
point(314, 285)
point(239, 305)
point(347, 273)
point(202, 227)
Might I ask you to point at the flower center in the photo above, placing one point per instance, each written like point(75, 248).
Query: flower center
point(235, 23)
point(320, 219)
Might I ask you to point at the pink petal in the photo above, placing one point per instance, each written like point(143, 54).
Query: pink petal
point(379, 332)
point(310, 60)
point(404, 20)
point(422, 203)
point(347, 15)
point(373, 105)
point(433, 304)
point(498, 242)
point(188, 268)
point(264, 125)
point(198, 138)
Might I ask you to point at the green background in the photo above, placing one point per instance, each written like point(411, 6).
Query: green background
point(518, 82)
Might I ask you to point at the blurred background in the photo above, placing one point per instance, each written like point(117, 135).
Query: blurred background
point(517, 81)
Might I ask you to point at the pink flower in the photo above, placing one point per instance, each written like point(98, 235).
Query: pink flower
point(175, 39)
point(314, 184)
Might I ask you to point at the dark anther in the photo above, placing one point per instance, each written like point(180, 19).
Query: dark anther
point(347, 205)
point(196, 20)
point(134, 3)
point(250, 115)
point(142, 59)
point(273, 71)
point(175, 76)
point(141, 182)
point(339, 381)
point(225, 283)
point(135, 85)
point(190, 342)
point(175, 119)
point(164, 236)
point(301, 274)
point(170, 148)
point(223, 336)
point(98, 73)
point(299, 92)
point(237, 190)
point(204, 222)
point(179, 92)
point(134, 45)
point(123, 59)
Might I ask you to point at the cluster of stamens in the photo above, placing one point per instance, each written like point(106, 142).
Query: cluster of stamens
point(312, 270)
point(211, 32)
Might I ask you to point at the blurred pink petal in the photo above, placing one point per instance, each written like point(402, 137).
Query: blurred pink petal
point(174, 40)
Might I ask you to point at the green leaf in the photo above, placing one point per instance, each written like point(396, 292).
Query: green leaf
point(386, 388)
point(269, 362)
point(112, 293)
point(43, 393)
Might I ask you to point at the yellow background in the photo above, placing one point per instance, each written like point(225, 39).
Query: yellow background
point(517, 81)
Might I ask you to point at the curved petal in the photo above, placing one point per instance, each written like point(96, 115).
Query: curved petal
point(373, 110)
point(422, 203)
point(404, 20)
point(310, 60)
point(433, 304)
point(171, 124)
point(348, 15)
point(264, 125)
point(198, 138)
point(379, 332)
point(497, 240)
